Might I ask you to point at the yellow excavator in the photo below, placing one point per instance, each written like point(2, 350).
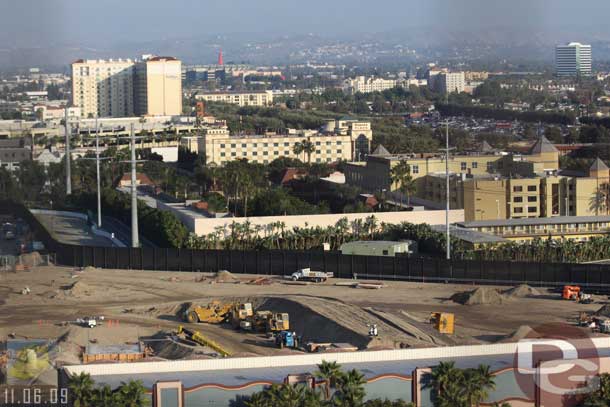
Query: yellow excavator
point(215, 312)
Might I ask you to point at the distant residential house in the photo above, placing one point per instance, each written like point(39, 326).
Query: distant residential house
point(49, 157)
point(14, 151)
point(141, 180)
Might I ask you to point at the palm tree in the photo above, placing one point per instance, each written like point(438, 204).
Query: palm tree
point(351, 390)
point(480, 381)
point(81, 389)
point(105, 397)
point(330, 372)
point(306, 147)
point(285, 395)
point(401, 175)
point(132, 394)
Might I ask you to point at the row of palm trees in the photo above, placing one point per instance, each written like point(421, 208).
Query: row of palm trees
point(339, 389)
point(454, 387)
point(275, 236)
point(84, 393)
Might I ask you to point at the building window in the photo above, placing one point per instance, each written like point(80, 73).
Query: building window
point(243, 146)
point(265, 144)
point(286, 144)
point(532, 209)
point(233, 146)
point(339, 151)
point(318, 151)
point(532, 199)
point(338, 143)
point(276, 153)
point(532, 188)
point(318, 143)
point(463, 166)
point(276, 144)
point(265, 152)
point(222, 154)
point(415, 169)
point(518, 210)
point(254, 153)
point(475, 164)
point(518, 189)
point(518, 199)
point(233, 154)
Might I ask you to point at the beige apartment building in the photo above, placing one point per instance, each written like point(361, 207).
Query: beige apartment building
point(487, 168)
point(124, 87)
point(262, 98)
point(363, 84)
point(158, 90)
point(103, 88)
point(346, 140)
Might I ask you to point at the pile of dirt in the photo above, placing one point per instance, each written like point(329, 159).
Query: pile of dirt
point(33, 259)
point(522, 291)
point(224, 276)
point(78, 290)
point(603, 311)
point(524, 331)
point(480, 296)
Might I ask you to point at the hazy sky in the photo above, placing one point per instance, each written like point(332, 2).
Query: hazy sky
point(88, 22)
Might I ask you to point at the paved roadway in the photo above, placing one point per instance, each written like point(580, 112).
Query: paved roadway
point(71, 230)
point(122, 231)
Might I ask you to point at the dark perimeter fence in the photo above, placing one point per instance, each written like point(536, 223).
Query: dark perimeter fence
point(284, 262)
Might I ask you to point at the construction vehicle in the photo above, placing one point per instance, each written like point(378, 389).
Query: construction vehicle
point(278, 322)
point(307, 274)
point(570, 292)
point(198, 338)
point(215, 312)
point(286, 339)
point(575, 293)
point(240, 315)
point(443, 322)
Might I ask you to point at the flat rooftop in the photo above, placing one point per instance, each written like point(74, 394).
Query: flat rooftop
point(470, 236)
point(556, 220)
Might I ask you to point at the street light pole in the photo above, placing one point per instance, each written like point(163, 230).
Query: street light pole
point(448, 191)
point(135, 241)
point(67, 141)
point(97, 172)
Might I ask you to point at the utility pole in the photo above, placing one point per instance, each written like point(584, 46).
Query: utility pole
point(135, 241)
point(447, 185)
point(67, 141)
point(97, 168)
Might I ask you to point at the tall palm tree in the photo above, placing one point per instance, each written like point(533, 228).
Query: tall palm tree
point(400, 175)
point(330, 372)
point(105, 397)
point(306, 147)
point(480, 381)
point(81, 390)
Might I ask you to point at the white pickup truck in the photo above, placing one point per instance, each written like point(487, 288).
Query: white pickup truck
point(309, 275)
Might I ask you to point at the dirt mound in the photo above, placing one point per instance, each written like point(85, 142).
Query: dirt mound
point(480, 296)
point(524, 331)
point(603, 311)
point(33, 259)
point(79, 289)
point(224, 276)
point(172, 350)
point(521, 291)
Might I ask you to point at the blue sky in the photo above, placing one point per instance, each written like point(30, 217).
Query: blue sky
point(47, 22)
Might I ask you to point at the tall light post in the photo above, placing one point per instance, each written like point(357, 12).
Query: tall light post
point(68, 154)
point(135, 240)
point(97, 172)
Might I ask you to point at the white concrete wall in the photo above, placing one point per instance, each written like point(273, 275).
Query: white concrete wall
point(312, 359)
point(203, 226)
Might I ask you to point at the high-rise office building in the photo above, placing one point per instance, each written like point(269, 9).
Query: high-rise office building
point(450, 82)
point(573, 59)
point(119, 88)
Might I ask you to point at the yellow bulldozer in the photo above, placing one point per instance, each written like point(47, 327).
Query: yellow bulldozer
point(216, 312)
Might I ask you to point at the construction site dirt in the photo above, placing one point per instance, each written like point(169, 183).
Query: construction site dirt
point(149, 306)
